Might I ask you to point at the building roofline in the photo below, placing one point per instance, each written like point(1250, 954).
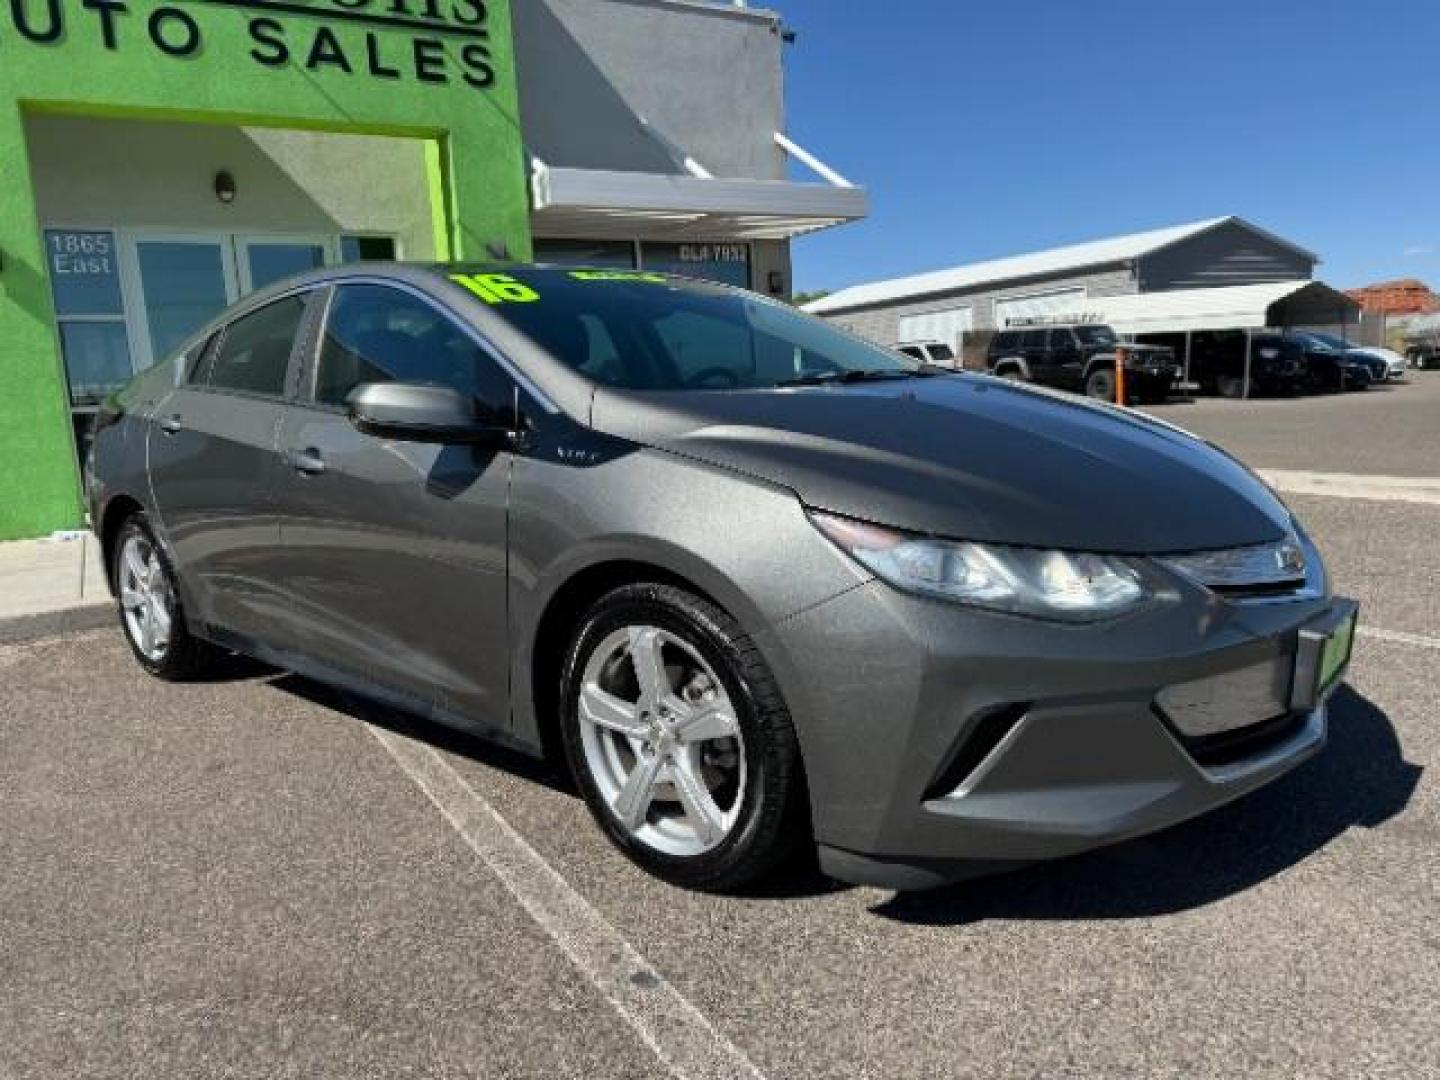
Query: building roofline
point(1069, 258)
point(712, 7)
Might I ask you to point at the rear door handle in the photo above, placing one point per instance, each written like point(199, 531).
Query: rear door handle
point(307, 461)
point(171, 424)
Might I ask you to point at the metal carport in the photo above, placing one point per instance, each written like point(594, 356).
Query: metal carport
point(1281, 305)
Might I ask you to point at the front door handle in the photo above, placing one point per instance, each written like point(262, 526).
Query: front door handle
point(307, 461)
point(171, 424)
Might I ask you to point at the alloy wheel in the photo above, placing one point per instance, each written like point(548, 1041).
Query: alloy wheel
point(145, 597)
point(662, 741)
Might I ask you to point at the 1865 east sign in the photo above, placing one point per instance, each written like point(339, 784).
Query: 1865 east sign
point(428, 41)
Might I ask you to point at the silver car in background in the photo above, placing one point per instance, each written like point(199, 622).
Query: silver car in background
point(768, 590)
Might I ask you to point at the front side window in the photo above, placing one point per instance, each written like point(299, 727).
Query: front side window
point(254, 354)
point(1061, 340)
point(376, 334)
point(1096, 335)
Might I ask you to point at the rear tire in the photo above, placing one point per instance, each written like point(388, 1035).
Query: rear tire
point(152, 616)
point(692, 770)
point(1100, 385)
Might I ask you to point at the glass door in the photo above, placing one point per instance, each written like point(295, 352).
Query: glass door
point(182, 281)
point(263, 260)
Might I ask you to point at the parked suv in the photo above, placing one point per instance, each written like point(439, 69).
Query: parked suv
point(1277, 363)
point(934, 353)
point(1081, 357)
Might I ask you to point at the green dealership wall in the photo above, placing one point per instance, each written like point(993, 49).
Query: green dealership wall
point(439, 70)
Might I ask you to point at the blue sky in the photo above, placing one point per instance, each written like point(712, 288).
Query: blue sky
point(986, 128)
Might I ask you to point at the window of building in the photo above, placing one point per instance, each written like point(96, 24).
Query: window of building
point(379, 334)
point(728, 264)
point(254, 355)
point(367, 249)
point(85, 284)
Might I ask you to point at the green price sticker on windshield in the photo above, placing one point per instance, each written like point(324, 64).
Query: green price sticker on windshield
point(618, 275)
point(497, 288)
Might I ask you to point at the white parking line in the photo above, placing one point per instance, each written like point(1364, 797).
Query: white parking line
point(1413, 489)
point(1399, 637)
point(665, 1020)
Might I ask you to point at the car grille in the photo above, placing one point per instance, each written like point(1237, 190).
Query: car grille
point(1276, 569)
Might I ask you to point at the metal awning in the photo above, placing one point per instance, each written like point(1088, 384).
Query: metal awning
point(600, 205)
point(1233, 307)
point(604, 204)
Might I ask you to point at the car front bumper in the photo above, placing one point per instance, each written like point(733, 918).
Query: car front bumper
point(941, 742)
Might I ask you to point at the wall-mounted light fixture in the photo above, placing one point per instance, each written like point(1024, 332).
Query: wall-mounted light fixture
point(225, 187)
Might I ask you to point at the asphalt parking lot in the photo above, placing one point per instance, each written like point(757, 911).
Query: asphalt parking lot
point(1390, 430)
point(255, 876)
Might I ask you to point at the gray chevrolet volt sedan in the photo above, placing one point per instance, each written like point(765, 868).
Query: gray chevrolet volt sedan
point(766, 587)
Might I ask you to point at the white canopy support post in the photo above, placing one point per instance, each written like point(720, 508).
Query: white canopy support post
point(539, 182)
point(1249, 349)
point(810, 161)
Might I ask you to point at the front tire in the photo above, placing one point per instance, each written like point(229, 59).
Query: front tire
point(679, 740)
point(151, 614)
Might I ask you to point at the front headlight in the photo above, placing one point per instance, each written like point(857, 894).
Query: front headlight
point(1058, 585)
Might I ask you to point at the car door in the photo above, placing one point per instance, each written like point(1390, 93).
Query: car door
point(394, 553)
point(1037, 356)
point(213, 466)
point(1066, 359)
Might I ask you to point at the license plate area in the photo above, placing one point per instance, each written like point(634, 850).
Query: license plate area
point(1322, 655)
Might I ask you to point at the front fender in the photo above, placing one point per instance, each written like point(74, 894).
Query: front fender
point(745, 543)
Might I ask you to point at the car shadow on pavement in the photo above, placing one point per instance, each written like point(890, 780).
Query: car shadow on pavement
point(451, 740)
point(1360, 779)
point(799, 877)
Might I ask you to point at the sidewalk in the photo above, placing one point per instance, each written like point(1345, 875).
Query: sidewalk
point(58, 573)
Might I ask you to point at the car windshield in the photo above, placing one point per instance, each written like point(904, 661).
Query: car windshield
point(1323, 342)
point(1333, 340)
point(645, 331)
point(1096, 335)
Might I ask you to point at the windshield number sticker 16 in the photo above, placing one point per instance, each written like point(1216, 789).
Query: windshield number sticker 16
point(497, 288)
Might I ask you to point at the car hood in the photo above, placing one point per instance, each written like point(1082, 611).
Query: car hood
point(967, 457)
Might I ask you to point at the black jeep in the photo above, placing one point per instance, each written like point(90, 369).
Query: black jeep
point(1081, 357)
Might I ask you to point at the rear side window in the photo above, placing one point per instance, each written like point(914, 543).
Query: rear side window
point(1034, 339)
point(254, 355)
point(1006, 339)
point(1061, 339)
point(376, 334)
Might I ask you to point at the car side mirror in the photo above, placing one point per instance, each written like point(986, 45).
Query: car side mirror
point(422, 413)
